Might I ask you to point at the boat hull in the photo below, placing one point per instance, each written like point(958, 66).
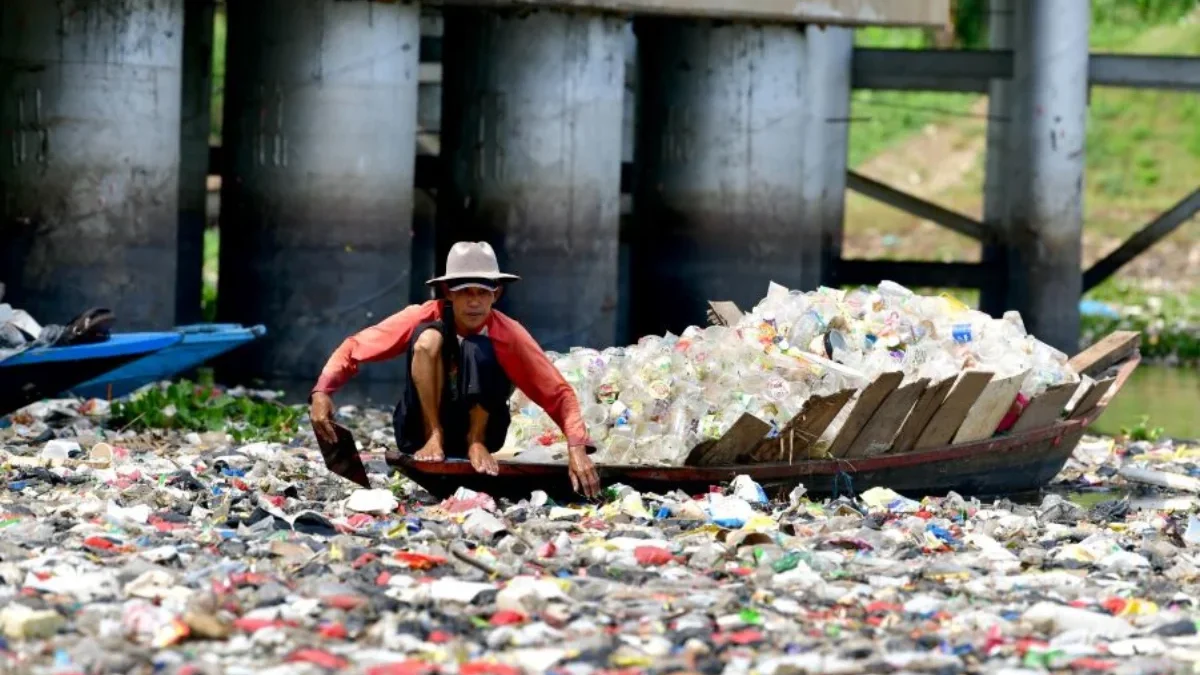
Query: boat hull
point(995, 466)
point(45, 372)
point(199, 344)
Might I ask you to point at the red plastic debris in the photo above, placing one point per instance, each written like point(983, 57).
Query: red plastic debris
point(165, 525)
point(99, 543)
point(255, 625)
point(359, 521)
point(240, 579)
point(344, 601)
point(383, 578)
point(743, 637)
point(403, 668)
point(487, 668)
point(419, 561)
point(333, 631)
point(439, 637)
point(364, 560)
point(880, 606)
point(1014, 413)
point(507, 617)
point(1115, 605)
point(652, 556)
point(1026, 644)
point(1090, 663)
point(318, 657)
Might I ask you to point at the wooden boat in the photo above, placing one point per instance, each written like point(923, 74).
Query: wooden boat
point(198, 344)
point(924, 438)
point(43, 372)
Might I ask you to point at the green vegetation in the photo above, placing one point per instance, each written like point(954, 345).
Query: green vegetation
point(1142, 432)
point(217, 107)
point(208, 298)
point(188, 406)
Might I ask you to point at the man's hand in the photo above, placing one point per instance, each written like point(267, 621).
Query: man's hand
point(321, 416)
point(584, 478)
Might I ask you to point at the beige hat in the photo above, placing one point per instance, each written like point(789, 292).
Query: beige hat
point(472, 260)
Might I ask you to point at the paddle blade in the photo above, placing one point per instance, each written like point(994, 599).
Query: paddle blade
point(342, 457)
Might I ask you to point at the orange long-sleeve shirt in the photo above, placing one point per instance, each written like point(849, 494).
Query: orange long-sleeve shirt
point(522, 360)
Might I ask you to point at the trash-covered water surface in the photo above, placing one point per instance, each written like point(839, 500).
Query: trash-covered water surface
point(189, 553)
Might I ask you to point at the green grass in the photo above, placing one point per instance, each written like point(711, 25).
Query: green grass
point(217, 106)
point(880, 119)
point(208, 298)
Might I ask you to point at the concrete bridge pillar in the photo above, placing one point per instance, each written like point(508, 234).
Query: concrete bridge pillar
point(719, 197)
point(1049, 107)
point(89, 165)
point(531, 143)
point(316, 204)
point(830, 54)
point(193, 155)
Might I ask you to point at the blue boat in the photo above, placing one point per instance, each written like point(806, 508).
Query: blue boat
point(197, 344)
point(43, 372)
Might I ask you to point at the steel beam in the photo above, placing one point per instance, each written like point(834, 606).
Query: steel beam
point(89, 164)
point(957, 70)
point(1179, 73)
point(889, 195)
point(973, 70)
point(1148, 236)
point(932, 13)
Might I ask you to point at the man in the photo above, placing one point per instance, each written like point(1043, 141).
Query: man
point(463, 359)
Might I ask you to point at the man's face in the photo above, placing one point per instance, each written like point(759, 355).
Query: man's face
point(472, 306)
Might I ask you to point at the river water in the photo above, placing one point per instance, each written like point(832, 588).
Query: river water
point(1170, 396)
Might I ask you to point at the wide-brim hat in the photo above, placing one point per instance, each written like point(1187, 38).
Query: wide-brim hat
point(472, 260)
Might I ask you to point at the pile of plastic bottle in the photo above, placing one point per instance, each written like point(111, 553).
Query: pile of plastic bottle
point(653, 401)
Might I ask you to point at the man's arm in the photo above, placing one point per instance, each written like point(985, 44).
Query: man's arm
point(387, 339)
point(531, 370)
point(533, 373)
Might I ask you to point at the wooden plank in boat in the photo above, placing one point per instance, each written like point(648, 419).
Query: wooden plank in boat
point(951, 413)
point(741, 438)
point(723, 313)
point(1110, 350)
point(985, 415)
point(1045, 408)
point(921, 413)
point(877, 436)
point(868, 402)
point(1088, 401)
point(798, 436)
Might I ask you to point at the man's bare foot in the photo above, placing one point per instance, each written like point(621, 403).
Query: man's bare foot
point(482, 460)
point(432, 452)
